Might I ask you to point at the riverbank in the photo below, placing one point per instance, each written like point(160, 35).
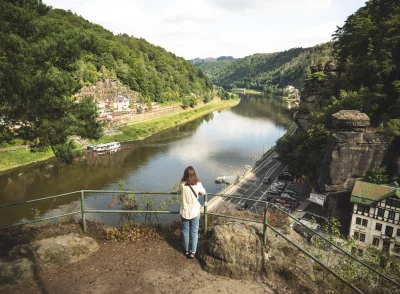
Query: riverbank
point(254, 92)
point(142, 130)
point(17, 156)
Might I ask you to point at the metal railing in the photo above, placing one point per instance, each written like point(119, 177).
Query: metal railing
point(83, 211)
point(265, 225)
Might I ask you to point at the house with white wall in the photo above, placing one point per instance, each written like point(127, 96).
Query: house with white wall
point(376, 216)
point(118, 103)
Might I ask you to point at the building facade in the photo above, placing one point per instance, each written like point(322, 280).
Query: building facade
point(376, 216)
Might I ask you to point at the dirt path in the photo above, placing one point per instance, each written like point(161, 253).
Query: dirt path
point(144, 266)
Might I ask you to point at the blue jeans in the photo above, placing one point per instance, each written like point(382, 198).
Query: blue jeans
point(192, 226)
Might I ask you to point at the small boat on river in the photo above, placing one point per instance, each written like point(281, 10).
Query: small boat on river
point(105, 147)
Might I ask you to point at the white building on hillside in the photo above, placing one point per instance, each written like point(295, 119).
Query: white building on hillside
point(376, 216)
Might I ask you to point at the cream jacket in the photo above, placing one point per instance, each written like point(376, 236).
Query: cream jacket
point(190, 207)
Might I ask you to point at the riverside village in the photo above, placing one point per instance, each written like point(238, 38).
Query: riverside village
point(130, 162)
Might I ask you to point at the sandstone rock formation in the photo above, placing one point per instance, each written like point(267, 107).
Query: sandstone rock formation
point(235, 249)
point(353, 151)
point(108, 89)
point(44, 254)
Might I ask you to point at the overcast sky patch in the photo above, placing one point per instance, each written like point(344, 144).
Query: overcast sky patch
point(205, 28)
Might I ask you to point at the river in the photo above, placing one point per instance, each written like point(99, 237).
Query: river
point(220, 143)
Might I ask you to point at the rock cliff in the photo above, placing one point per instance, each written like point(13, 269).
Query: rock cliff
point(353, 150)
point(108, 89)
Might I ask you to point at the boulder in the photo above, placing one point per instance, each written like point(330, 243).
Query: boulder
point(235, 249)
point(12, 272)
point(350, 119)
point(48, 253)
point(57, 251)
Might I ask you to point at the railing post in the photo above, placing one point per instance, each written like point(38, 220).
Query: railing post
point(205, 213)
point(83, 211)
point(265, 223)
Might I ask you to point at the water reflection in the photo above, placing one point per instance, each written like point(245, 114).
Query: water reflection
point(220, 142)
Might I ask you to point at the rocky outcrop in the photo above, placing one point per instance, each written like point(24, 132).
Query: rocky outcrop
point(318, 91)
point(235, 250)
point(350, 119)
point(45, 254)
point(103, 91)
point(353, 151)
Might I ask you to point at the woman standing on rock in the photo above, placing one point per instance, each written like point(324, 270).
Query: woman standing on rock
point(190, 188)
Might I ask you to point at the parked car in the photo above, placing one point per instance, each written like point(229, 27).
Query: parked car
point(288, 197)
point(273, 192)
point(280, 189)
point(290, 191)
point(267, 181)
point(295, 196)
point(280, 185)
point(242, 206)
point(279, 200)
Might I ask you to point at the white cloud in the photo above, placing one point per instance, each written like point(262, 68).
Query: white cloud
point(206, 28)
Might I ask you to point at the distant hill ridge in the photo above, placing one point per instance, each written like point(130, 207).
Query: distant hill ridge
point(198, 60)
point(263, 70)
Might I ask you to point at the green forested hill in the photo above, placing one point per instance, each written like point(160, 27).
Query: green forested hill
point(47, 55)
point(270, 69)
point(93, 53)
point(214, 68)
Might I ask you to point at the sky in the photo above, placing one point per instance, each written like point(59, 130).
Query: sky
point(213, 28)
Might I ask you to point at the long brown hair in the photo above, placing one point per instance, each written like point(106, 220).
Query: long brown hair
point(189, 176)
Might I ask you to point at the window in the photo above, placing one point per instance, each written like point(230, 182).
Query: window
point(356, 235)
point(381, 212)
point(375, 241)
point(360, 252)
point(378, 227)
point(362, 237)
point(393, 202)
point(391, 215)
point(358, 221)
point(396, 248)
point(362, 208)
point(389, 231)
point(398, 232)
point(365, 222)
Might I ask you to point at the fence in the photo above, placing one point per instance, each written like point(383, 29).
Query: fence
point(83, 211)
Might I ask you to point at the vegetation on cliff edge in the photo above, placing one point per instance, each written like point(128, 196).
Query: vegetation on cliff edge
point(366, 78)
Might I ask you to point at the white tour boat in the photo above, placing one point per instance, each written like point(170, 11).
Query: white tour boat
point(106, 147)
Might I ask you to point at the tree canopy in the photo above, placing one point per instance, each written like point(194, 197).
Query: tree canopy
point(260, 71)
point(47, 55)
point(367, 50)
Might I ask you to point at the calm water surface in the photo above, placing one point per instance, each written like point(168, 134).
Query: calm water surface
point(220, 143)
